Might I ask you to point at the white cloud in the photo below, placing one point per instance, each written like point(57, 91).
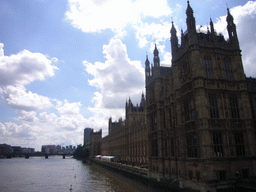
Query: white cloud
point(19, 70)
point(19, 98)
point(27, 135)
point(167, 59)
point(27, 116)
point(65, 126)
point(54, 60)
point(24, 68)
point(44, 117)
point(66, 108)
point(61, 125)
point(117, 78)
point(10, 129)
point(95, 16)
point(156, 32)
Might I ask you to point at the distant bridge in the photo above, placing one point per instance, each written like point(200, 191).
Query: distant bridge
point(46, 155)
point(36, 154)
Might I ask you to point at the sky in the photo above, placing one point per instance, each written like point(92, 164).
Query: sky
point(66, 65)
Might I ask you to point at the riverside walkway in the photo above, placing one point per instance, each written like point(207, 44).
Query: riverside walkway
point(136, 170)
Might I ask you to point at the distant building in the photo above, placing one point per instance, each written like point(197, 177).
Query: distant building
point(58, 148)
point(49, 149)
point(5, 149)
point(16, 150)
point(87, 135)
point(31, 150)
point(24, 150)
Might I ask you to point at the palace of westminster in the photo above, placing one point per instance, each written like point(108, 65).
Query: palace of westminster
point(197, 120)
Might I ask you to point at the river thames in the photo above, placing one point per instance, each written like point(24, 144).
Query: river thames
point(57, 174)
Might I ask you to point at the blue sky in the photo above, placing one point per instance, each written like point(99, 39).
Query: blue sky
point(70, 64)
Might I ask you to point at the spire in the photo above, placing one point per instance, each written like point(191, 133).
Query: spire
point(147, 67)
point(174, 39)
point(229, 18)
point(182, 37)
point(156, 51)
point(173, 30)
point(231, 27)
point(147, 61)
point(189, 9)
point(142, 96)
point(212, 27)
point(156, 57)
point(142, 99)
point(191, 23)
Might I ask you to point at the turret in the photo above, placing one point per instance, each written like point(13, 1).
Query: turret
point(147, 68)
point(231, 27)
point(156, 57)
point(142, 101)
point(212, 27)
point(182, 37)
point(174, 39)
point(109, 125)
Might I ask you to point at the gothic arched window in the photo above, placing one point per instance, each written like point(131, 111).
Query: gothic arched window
point(208, 67)
point(228, 69)
point(185, 71)
point(189, 110)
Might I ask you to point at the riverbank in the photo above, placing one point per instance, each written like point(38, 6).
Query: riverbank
point(142, 175)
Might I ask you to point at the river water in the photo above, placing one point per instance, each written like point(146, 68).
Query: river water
point(57, 175)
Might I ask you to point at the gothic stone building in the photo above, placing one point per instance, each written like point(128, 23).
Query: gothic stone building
point(127, 139)
point(200, 119)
